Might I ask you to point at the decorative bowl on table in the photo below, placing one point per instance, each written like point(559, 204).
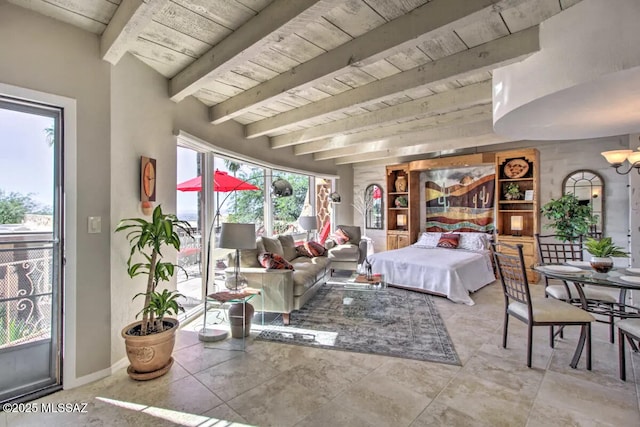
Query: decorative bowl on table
point(601, 264)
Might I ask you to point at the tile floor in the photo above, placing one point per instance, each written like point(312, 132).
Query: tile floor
point(280, 385)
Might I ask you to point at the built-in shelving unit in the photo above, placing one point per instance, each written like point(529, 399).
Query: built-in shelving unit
point(403, 208)
point(517, 219)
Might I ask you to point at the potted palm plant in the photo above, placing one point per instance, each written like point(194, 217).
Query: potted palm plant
point(150, 342)
point(568, 217)
point(601, 251)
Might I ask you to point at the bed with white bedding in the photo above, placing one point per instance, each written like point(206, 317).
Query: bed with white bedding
point(453, 273)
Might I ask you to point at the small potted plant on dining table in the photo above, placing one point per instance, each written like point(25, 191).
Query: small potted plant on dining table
point(602, 251)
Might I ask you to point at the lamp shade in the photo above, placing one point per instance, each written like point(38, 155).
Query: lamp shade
point(516, 223)
point(616, 157)
point(308, 223)
point(402, 220)
point(237, 236)
point(634, 157)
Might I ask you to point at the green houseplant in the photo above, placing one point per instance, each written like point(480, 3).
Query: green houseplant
point(149, 342)
point(512, 191)
point(568, 217)
point(602, 250)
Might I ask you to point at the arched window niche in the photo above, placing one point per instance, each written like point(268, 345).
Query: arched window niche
point(375, 213)
point(588, 187)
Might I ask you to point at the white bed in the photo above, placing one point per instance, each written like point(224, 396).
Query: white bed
point(453, 273)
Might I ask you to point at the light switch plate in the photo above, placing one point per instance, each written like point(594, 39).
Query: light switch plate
point(94, 225)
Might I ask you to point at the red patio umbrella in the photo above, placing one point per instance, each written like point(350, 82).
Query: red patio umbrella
point(222, 182)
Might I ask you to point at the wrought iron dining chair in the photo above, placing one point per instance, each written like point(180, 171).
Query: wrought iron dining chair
point(539, 312)
point(630, 329)
point(552, 250)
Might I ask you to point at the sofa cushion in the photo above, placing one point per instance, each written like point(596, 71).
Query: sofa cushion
point(273, 245)
point(303, 280)
point(272, 261)
point(288, 246)
point(248, 258)
point(353, 231)
point(347, 252)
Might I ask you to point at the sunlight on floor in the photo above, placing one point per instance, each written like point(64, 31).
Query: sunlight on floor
point(180, 418)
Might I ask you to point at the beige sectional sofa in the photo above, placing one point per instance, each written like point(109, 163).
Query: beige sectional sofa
point(283, 290)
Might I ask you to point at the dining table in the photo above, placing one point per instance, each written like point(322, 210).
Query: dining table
point(622, 279)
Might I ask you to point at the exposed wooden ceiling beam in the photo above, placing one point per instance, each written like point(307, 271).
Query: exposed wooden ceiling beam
point(455, 99)
point(471, 141)
point(277, 20)
point(497, 53)
point(407, 30)
point(129, 20)
point(396, 131)
point(435, 135)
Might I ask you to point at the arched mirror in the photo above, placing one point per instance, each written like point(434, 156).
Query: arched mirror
point(374, 215)
point(588, 187)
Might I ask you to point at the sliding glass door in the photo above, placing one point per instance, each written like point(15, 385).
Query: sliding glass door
point(30, 248)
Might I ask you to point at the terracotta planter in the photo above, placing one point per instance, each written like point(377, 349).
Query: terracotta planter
point(150, 355)
point(601, 264)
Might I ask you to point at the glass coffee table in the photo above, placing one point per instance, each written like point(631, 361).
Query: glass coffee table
point(358, 282)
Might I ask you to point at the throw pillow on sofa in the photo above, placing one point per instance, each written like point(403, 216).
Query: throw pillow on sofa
point(272, 261)
point(310, 249)
point(340, 236)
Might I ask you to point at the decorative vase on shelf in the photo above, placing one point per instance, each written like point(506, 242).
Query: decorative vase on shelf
point(401, 184)
point(601, 264)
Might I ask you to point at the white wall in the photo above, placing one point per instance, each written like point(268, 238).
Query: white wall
point(45, 55)
point(141, 125)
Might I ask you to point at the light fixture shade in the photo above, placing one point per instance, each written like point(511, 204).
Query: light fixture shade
point(281, 188)
point(401, 220)
point(634, 157)
point(308, 223)
point(237, 236)
point(517, 223)
point(616, 157)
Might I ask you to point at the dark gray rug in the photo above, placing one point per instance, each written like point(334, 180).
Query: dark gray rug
point(396, 323)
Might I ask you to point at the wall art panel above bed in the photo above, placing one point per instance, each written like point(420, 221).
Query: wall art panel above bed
point(460, 199)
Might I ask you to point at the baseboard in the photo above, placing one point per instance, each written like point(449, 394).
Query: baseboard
point(120, 364)
point(78, 382)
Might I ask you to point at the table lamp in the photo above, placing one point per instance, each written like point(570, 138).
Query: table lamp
point(516, 225)
point(402, 221)
point(308, 223)
point(237, 236)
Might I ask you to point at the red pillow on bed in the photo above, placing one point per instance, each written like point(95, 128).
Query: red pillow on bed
point(449, 241)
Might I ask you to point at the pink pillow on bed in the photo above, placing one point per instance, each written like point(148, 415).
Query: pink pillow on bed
point(449, 241)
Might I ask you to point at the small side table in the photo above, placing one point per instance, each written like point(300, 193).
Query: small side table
point(243, 296)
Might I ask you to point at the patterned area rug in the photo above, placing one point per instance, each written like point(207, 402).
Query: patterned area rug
point(396, 323)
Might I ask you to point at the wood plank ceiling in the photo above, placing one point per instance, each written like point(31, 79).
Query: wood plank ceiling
point(355, 80)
